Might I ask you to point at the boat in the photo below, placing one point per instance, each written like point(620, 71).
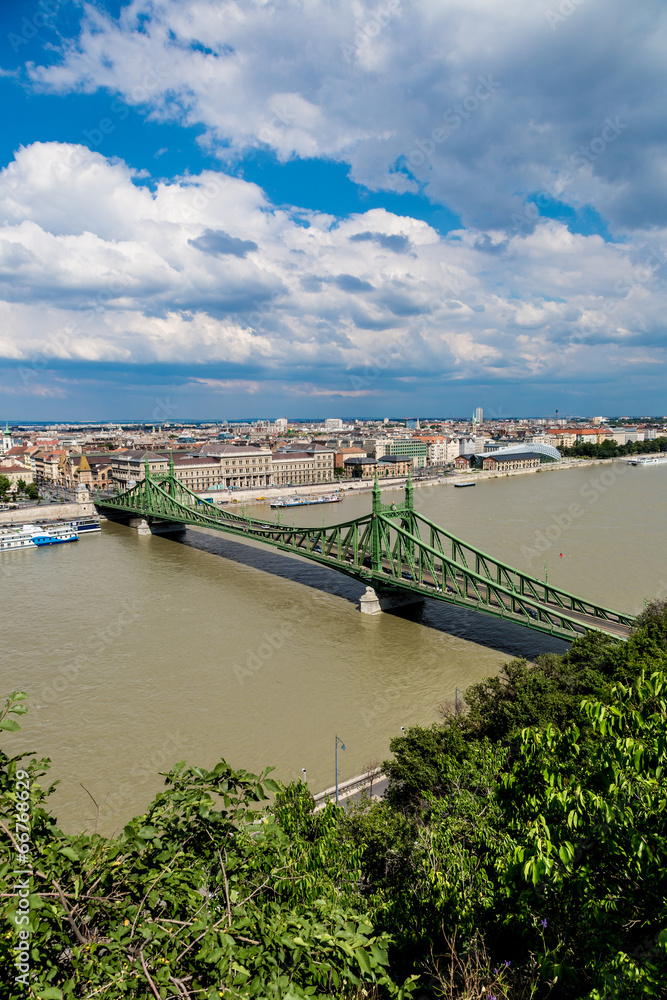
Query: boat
point(82, 525)
point(459, 486)
point(649, 460)
point(306, 501)
point(35, 535)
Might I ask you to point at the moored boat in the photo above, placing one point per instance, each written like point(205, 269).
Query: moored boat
point(306, 501)
point(35, 536)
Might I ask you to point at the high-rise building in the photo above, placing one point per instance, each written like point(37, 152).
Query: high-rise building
point(479, 415)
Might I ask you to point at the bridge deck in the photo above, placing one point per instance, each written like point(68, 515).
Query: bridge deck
point(385, 550)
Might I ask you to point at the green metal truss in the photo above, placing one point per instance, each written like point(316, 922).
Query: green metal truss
point(393, 549)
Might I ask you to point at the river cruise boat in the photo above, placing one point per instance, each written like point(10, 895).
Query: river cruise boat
point(461, 486)
point(305, 501)
point(83, 525)
point(649, 460)
point(26, 536)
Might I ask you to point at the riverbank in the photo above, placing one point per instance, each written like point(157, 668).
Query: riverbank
point(346, 488)
point(47, 512)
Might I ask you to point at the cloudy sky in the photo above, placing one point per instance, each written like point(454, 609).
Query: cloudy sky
point(212, 208)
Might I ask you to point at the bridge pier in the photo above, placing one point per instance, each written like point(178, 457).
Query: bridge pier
point(143, 527)
point(374, 602)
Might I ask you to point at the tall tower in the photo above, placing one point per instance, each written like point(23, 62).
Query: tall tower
point(479, 415)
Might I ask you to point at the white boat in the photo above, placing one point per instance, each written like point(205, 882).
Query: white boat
point(82, 525)
point(306, 501)
point(649, 460)
point(26, 536)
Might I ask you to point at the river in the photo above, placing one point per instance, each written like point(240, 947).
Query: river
point(138, 652)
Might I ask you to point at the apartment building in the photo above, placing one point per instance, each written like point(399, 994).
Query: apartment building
point(129, 466)
point(198, 473)
point(518, 460)
point(296, 468)
point(241, 466)
point(389, 466)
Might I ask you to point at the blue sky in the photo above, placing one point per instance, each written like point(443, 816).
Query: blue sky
point(212, 208)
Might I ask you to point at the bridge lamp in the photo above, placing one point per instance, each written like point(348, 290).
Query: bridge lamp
point(343, 747)
point(303, 771)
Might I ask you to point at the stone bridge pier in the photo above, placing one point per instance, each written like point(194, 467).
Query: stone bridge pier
point(374, 602)
point(144, 527)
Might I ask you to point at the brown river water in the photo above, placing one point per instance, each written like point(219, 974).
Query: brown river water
point(138, 652)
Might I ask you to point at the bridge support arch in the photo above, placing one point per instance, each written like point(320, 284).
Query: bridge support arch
point(374, 602)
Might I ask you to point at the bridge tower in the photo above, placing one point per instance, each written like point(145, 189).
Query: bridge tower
point(172, 480)
point(376, 541)
point(147, 482)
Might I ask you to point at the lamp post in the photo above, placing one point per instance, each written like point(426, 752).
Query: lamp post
point(343, 747)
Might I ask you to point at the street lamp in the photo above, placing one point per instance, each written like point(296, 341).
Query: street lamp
point(343, 747)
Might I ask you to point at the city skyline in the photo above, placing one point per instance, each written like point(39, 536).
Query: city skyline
point(449, 204)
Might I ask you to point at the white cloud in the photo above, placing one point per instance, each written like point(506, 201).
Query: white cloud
point(484, 103)
point(140, 278)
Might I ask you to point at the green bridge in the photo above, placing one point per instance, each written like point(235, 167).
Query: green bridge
point(399, 554)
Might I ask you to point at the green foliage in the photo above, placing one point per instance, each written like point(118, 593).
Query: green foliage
point(520, 853)
point(32, 491)
point(611, 449)
point(206, 892)
point(4, 485)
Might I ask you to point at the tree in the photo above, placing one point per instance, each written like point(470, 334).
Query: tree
point(4, 485)
point(32, 491)
point(208, 890)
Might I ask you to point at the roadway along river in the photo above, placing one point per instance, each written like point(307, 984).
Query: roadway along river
point(138, 652)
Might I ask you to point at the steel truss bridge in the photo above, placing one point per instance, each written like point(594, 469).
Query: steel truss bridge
point(394, 550)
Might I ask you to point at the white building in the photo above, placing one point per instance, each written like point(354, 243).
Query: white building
point(280, 424)
point(333, 424)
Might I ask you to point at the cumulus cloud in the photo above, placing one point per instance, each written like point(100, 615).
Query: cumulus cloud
point(126, 283)
point(477, 104)
point(218, 243)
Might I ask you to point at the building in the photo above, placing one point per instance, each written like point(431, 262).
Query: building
point(411, 448)
point(297, 468)
point(46, 465)
point(6, 440)
point(343, 453)
point(479, 415)
point(198, 473)
point(15, 473)
point(241, 466)
point(280, 425)
point(333, 424)
point(128, 467)
point(364, 467)
point(510, 461)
